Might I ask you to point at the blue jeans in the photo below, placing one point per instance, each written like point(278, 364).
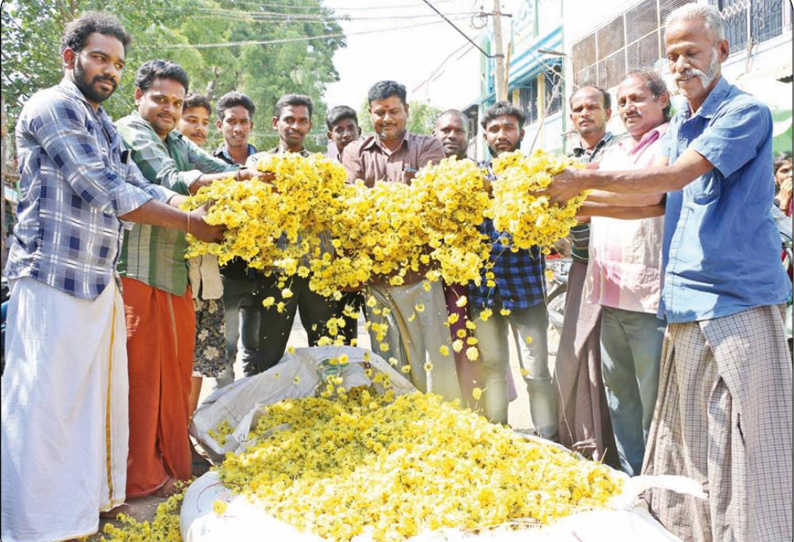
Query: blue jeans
point(631, 351)
point(493, 336)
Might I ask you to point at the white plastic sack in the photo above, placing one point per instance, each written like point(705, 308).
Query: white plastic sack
point(297, 375)
point(243, 520)
point(243, 402)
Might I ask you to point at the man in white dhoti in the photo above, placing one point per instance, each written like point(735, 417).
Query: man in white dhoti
point(724, 411)
point(64, 391)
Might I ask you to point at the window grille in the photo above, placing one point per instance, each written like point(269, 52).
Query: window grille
point(634, 40)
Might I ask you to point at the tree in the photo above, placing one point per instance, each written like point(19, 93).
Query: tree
point(422, 118)
point(298, 59)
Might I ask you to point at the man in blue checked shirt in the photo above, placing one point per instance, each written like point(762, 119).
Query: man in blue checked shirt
point(64, 391)
point(514, 292)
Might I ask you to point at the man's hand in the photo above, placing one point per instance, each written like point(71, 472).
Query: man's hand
point(784, 196)
point(203, 231)
point(249, 174)
point(564, 186)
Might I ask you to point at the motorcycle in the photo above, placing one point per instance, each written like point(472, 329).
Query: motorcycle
point(557, 269)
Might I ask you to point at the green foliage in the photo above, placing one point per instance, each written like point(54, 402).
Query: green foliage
point(422, 118)
point(175, 30)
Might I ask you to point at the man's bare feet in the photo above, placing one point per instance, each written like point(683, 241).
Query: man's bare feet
point(167, 489)
point(123, 508)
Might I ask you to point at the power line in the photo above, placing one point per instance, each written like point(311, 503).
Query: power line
point(438, 68)
point(369, 8)
point(458, 29)
point(284, 40)
point(319, 16)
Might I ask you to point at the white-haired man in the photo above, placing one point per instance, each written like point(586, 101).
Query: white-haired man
point(724, 412)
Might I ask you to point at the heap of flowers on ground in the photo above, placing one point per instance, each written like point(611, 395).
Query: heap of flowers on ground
point(360, 462)
point(392, 468)
point(308, 221)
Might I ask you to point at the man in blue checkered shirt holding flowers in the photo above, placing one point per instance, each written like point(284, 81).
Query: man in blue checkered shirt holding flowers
point(64, 391)
point(512, 295)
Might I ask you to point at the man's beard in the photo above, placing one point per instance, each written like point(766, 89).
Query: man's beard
point(87, 87)
point(706, 77)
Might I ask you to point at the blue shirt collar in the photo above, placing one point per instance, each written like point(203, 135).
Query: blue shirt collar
point(713, 100)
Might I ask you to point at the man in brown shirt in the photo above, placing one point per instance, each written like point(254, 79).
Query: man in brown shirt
point(393, 154)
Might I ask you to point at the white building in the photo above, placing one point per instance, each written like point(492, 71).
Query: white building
point(617, 37)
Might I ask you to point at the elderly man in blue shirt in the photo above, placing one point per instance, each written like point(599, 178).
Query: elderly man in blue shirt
point(724, 410)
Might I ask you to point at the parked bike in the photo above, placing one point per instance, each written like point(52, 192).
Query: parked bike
point(556, 288)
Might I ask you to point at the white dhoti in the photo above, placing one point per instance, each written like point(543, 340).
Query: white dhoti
point(415, 335)
point(64, 412)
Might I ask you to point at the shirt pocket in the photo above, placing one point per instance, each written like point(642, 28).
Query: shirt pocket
point(95, 129)
point(705, 188)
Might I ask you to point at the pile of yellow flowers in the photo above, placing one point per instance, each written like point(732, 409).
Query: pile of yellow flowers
point(390, 468)
point(164, 527)
point(451, 202)
point(529, 219)
point(309, 222)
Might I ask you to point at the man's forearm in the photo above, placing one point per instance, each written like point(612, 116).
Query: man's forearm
point(644, 182)
point(654, 180)
point(156, 213)
point(590, 209)
point(624, 200)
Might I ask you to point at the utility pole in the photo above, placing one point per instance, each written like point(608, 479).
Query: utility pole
point(499, 57)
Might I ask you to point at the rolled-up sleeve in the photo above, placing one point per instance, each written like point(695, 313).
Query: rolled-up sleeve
point(151, 156)
point(136, 178)
point(61, 130)
point(734, 138)
point(203, 161)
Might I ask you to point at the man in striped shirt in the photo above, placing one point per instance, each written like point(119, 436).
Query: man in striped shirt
point(157, 299)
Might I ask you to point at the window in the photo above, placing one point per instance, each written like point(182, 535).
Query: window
point(633, 40)
point(553, 96)
point(630, 41)
point(528, 100)
point(766, 21)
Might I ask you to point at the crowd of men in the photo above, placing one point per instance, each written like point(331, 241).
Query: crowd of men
point(672, 357)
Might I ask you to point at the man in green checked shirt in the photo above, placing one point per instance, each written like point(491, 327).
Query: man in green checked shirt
point(157, 299)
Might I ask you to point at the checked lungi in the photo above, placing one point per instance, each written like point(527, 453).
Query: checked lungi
point(723, 417)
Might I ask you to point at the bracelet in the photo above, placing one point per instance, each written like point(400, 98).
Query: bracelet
point(188, 223)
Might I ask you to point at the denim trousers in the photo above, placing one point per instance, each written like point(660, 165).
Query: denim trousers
point(493, 336)
point(631, 350)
